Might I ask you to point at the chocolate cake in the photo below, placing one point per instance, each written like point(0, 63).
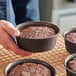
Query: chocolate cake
point(71, 37)
point(72, 64)
point(37, 32)
point(30, 69)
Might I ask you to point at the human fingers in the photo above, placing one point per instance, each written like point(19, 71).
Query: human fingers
point(7, 40)
point(9, 28)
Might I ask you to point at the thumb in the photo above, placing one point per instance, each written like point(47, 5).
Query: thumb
point(9, 28)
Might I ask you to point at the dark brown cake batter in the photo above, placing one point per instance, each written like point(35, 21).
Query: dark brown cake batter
point(71, 37)
point(72, 64)
point(30, 69)
point(37, 32)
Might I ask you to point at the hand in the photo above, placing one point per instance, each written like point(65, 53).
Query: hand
point(7, 30)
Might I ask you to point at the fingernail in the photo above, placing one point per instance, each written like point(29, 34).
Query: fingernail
point(16, 33)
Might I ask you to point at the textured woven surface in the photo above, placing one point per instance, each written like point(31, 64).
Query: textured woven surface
point(55, 57)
